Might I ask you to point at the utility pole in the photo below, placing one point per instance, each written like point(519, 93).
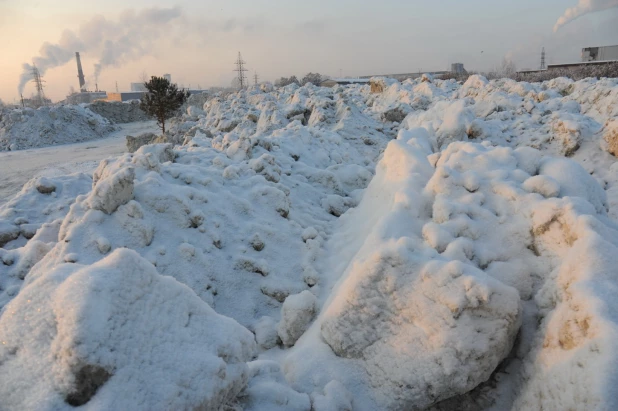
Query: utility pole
point(240, 69)
point(543, 59)
point(255, 78)
point(38, 81)
point(116, 86)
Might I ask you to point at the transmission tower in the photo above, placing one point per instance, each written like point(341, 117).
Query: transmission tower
point(543, 59)
point(240, 69)
point(255, 78)
point(38, 81)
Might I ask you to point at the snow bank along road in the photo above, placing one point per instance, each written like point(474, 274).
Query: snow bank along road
point(17, 167)
point(435, 246)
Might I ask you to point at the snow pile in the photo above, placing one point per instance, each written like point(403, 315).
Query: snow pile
point(465, 264)
point(237, 217)
point(117, 112)
point(27, 128)
point(197, 101)
point(118, 326)
point(29, 226)
point(429, 304)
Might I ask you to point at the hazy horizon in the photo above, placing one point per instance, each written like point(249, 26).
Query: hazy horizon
point(198, 43)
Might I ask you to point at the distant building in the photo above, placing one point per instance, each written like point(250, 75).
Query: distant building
point(168, 77)
point(138, 87)
point(568, 66)
point(579, 64)
point(458, 68)
point(125, 96)
point(86, 97)
point(606, 53)
point(137, 95)
point(343, 81)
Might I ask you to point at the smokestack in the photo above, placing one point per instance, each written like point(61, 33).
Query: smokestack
point(80, 73)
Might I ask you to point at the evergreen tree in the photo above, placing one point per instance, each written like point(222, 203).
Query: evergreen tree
point(162, 100)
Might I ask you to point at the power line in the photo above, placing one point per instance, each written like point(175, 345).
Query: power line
point(240, 69)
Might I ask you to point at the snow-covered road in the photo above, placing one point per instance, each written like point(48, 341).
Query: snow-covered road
point(17, 167)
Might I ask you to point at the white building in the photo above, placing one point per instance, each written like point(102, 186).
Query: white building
point(606, 53)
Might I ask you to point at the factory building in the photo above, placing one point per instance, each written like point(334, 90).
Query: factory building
point(84, 96)
point(606, 53)
point(458, 68)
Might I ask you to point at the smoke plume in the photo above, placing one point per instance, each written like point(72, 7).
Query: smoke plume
point(584, 7)
point(131, 36)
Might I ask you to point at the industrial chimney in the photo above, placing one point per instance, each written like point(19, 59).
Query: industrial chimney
point(80, 73)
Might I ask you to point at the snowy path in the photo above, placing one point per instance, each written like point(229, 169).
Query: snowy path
point(17, 167)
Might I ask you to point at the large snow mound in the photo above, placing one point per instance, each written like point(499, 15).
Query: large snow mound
point(121, 331)
point(28, 128)
point(467, 264)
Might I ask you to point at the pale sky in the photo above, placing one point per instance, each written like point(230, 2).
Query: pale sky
point(199, 43)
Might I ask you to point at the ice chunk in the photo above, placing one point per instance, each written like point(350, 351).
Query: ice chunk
point(110, 193)
point(296, 315)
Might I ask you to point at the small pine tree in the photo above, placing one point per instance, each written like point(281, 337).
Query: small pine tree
point(162, 100)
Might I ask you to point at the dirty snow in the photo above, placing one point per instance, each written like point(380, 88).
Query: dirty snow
point(23, 128)
point(434, 246)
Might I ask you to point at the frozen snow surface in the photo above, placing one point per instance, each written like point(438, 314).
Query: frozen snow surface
point(435, 246)
point(27, 128)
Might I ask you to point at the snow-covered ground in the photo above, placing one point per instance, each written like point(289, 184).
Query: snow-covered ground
point(434, 246)
point(17, 167)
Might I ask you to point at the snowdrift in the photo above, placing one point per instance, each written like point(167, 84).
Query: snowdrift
point(434, 246)
point(28, 128)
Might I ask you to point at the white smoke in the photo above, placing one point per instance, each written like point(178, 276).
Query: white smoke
point(115, 43)
point(584, 7)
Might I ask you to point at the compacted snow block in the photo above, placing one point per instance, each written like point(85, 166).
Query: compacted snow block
point(134, 143)
point(296, 315)
point(117, 335)
point(424, 331)
point(110, 193)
